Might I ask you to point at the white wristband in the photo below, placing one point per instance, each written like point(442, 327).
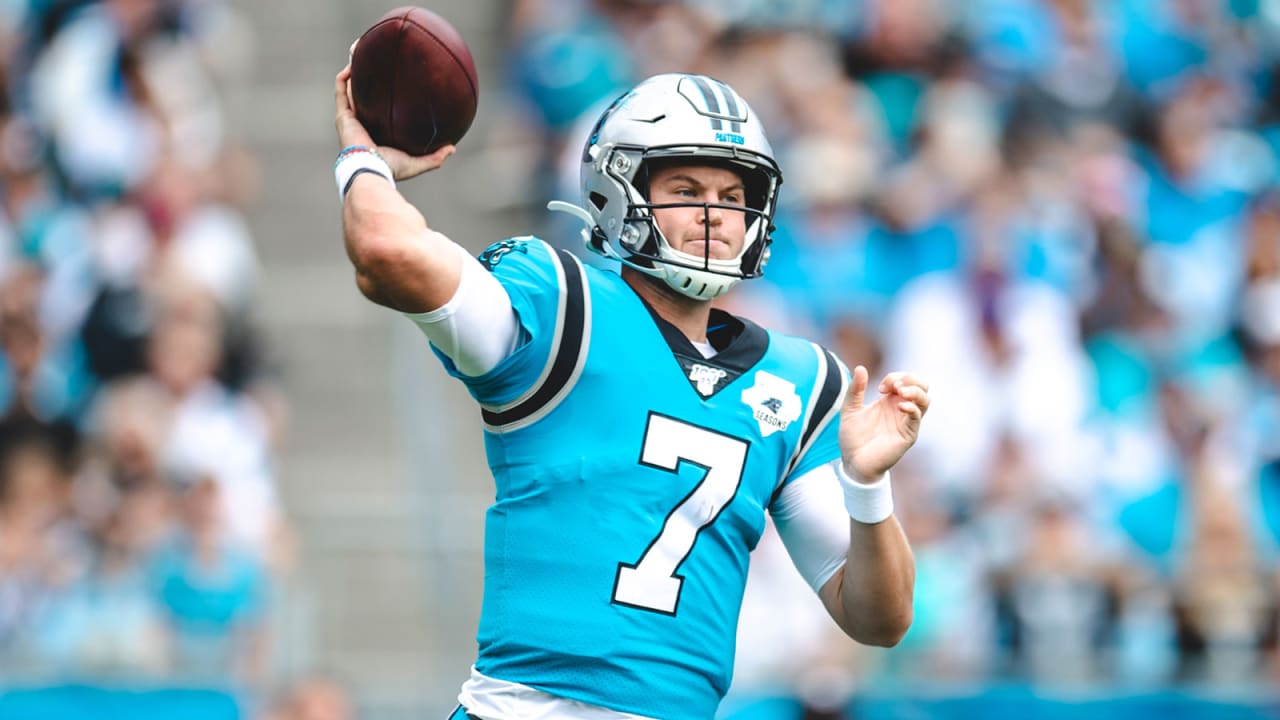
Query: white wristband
point(355, 160)
point(868, 503)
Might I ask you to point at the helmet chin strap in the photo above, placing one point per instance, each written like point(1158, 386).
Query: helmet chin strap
point(712, 280)
point(696, 284)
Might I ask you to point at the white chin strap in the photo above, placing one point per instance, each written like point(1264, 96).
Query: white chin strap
point(695, 283)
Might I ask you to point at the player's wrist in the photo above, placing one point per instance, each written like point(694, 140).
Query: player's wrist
point(868, 500)
point(856, 475)
point(356, 160)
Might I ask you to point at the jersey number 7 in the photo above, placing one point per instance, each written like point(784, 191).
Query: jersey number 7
point(651, 583)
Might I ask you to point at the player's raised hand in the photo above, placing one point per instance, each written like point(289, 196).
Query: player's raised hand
point(351, 132)
point(874, 437)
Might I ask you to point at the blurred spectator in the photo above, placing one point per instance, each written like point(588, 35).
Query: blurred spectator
point(1003, 355)
point(205, 240)
point(1226, 603)
point(1060, 599)
point(1194, 216)
point(214, 432)
point(88, 93)
point(1080, 79)
point(1260, 321)
point(40, 378)
point(42, 551)
point(182, 229)
point(213, 593)
point(108, 625)
point(130, 422)
point(951, 637)
point(38, 227)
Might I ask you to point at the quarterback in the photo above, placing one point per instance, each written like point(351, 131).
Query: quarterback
point(636, 435)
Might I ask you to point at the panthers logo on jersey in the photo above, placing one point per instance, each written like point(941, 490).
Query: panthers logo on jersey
point(495, 252)
point(774, 402)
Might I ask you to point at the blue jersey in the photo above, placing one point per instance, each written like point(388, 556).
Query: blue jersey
point(632, 478)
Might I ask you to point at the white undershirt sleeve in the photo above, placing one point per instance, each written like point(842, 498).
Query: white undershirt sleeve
point(811, 520)
point(477, 328)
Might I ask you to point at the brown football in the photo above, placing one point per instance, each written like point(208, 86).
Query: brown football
point(413, 81)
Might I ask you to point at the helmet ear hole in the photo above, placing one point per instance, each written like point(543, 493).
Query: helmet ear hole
point(598, 199)
point(758, 188)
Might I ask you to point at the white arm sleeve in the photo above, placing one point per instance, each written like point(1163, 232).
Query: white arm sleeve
point(477, 328)
point(811, 520)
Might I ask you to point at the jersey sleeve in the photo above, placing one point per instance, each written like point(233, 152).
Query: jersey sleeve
point(819, 442)
point(477, 328)
point(534, 276)
point(811, 519)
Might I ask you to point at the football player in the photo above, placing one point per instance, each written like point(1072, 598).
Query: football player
point(636, 434)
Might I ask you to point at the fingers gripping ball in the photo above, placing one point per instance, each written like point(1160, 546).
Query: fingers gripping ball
point(413, 81)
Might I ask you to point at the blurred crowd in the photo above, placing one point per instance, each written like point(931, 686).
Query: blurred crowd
point(140, 529)
point(1065, 214)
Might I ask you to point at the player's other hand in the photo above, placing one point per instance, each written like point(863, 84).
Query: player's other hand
point(873, 438)
point(351, 132)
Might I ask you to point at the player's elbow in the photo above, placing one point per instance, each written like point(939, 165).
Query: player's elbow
point(402, 265)
point(881, 626)
point(386, 250)
point(381, 235)
point(887, 631)
point(376, 254)
point(876, 615)
point(370, 288)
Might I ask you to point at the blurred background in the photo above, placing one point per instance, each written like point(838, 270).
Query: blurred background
point(231, 488)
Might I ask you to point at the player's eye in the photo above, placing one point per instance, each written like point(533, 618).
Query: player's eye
point(732, 199)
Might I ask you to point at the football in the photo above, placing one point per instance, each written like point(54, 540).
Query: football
point(413, 81)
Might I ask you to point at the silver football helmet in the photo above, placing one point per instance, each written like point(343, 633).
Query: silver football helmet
point(675, 118)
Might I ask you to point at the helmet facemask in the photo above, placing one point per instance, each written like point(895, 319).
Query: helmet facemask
point(696, 275)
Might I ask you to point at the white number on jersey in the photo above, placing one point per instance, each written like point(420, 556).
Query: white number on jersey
point(652, 583)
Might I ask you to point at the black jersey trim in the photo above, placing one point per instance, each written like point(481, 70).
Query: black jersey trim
point(821, 411)
point(556, 333)
point(566, 358)
point(740, 344)
point(833, 386)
